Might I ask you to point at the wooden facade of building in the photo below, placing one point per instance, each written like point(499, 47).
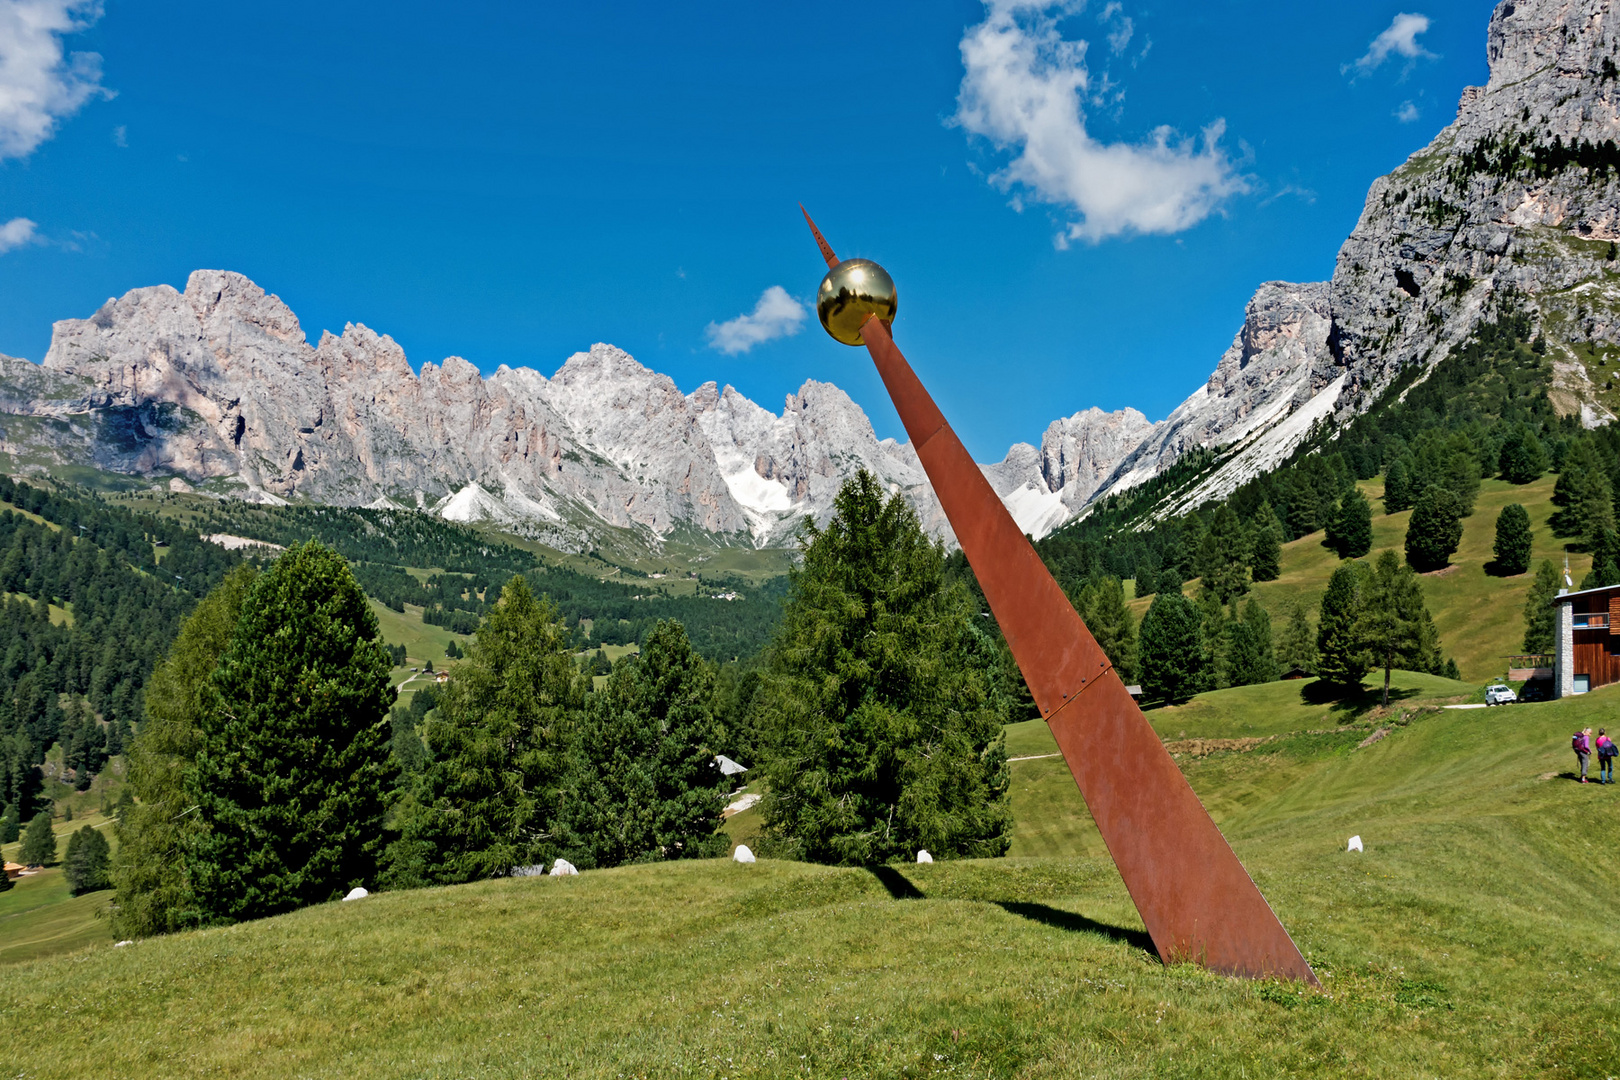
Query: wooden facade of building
point(1588, 640)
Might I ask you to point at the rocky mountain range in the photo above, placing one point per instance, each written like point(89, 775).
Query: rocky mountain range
point(1516, 203)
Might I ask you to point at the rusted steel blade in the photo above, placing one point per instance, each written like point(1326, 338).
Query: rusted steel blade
point(1194, 896)
point(821, 241)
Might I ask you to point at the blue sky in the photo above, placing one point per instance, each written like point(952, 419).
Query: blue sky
point(513, 182)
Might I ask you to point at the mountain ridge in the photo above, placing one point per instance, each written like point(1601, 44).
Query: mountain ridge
point(1516, 202)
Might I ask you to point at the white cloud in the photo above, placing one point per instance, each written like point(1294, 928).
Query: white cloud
point(1022, 88)
point(121, 135)
point(38, 84)
point(776, 315)
point(1407, 113)
point(1400, 39)
point(16, 233)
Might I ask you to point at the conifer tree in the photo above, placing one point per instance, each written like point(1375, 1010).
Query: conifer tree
point(1102, 605)
point(1398, 493)
point(1342, 661)
point(1513, 538)
point(488, 800)
point(1250, 658)
point(1390, 623)
point(1297, 646)
point(1435, 530)
point(1522, 458)
point(1174, 659)
point(1223, 556)
point(1583, 494)
point(1265, 560)
point(292, 773)
point(38, 842)
point(1605, 561)
point(154, 894)
point(1460, 476)
point(1540, 616)
point(644, 783)
point(10, 825)
point(87, 864)
point(885, 700)
point(1349, 530)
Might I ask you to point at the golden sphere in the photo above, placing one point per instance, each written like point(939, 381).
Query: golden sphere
point(852, 292)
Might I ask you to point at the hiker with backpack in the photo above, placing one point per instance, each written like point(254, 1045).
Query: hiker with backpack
point(1581, 743)
point(1606, 752)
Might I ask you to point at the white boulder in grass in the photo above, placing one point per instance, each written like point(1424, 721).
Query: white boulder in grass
point(924, 857)
point(742, 854)
point(563, 868)
point(356, 893)
point(1355, 844)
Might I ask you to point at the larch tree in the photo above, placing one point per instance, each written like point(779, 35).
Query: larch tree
point(1540, 617)
point(644, 783)
point(1175, 659)
point(488, 800)
point(38, 842)
point(87, 864)
point(1391, 621)
point(1265, 548)
point(292, 773)
point(1102, 605)
point(1223, 556)
point(154, 894)
point(885, 701)
point(1296, 648)
point(1349, 530)
point(1522, 458)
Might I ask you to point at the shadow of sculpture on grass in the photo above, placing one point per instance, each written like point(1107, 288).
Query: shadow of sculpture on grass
point(899, 886)
point(1068, 920)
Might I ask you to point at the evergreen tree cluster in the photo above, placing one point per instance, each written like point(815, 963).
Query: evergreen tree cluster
point(80, 681)
point(1374, 616)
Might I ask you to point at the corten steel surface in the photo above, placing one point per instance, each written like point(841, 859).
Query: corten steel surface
point(1194, 896)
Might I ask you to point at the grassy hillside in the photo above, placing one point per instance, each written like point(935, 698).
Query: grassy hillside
point(1473, 938)
point(1480, 617)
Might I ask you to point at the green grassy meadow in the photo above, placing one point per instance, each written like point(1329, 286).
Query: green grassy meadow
point(1474, 937)
point(1480, 617)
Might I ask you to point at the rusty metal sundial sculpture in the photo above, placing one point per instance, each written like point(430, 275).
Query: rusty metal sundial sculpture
point(1196, 899)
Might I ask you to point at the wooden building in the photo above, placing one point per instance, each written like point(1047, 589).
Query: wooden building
point(1587, 640)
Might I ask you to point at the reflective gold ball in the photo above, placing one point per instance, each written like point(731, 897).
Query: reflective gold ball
point(852, 292)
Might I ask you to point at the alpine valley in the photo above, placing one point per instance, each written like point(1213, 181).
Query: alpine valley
point(217, 387)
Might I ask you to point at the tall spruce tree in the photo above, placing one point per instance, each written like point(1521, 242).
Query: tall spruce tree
point(1391, 622)
point(1175, 659)
point(1512, 547)
point(292, 773)
point(1605, 561)
point(1435, 529)
point(885, 700)
point(644, 783)
point(1342, 660)
point(488, 800)
point(1349, 530)
point(1296, 648)
point(154, 893)
point(1265, 545)
point(1540, 617)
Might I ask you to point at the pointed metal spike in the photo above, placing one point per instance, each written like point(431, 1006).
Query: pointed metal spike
point(821, 241)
